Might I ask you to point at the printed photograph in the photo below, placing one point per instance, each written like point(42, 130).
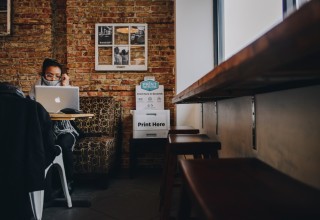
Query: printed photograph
point(121, 56)
point(104, 35)
point(137, 35)
point(121, 35)
point(137, 55)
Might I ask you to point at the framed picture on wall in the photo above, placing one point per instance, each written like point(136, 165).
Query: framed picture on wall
point(121, 47)
point(5, 17)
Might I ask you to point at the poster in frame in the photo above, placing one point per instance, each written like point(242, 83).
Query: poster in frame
point(121, 47)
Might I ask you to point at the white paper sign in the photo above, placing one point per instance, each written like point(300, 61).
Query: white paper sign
point(149, 96)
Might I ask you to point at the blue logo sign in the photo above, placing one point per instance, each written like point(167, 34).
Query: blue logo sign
point(149, 85)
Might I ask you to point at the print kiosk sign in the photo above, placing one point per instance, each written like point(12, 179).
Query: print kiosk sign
point(149, 95)
point(149, 85)
point(151, 123)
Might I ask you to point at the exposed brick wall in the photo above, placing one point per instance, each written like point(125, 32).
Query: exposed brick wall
point(22, 52)
point(59, 31)
point(65, 30)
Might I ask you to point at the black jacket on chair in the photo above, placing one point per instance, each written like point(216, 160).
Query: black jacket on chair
point(27, 148)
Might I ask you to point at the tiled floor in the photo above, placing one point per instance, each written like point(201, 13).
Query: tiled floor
point(125, 199)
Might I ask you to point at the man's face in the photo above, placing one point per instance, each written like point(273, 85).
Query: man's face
point(52, 73)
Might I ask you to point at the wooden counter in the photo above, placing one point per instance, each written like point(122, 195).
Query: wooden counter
point(285, 57)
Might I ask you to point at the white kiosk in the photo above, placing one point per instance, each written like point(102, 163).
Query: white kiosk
point(150, 120)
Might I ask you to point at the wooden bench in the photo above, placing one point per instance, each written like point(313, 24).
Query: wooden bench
point(182, 144)
point(244, 188)
point(183, 129)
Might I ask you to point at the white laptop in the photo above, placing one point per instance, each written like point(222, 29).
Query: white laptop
point(55, 98)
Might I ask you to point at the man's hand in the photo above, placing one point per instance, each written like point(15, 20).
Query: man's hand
point(64, 80)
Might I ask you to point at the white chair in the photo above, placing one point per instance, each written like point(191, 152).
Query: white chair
point(37, 197)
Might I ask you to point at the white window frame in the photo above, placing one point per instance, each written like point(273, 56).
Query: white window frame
point(106, 40)
point(8, 12)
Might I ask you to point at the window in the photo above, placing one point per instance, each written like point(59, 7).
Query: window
point(218, 32)
point(238, 23)
point(5, 19)
point(290, 6)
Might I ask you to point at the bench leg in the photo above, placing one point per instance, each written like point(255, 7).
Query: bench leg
point(184, 210)
point(172, 163)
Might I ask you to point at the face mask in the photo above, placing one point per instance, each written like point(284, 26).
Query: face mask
point(50, 83)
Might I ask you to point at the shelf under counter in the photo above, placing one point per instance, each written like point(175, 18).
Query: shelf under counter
point(287, 56)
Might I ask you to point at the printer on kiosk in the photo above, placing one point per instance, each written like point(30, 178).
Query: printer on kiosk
point(150, 120)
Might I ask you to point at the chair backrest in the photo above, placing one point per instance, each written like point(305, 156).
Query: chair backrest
point(22, 140)
point(22, 147)
point(107, 113)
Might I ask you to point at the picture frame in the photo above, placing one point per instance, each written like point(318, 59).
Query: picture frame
point(121, 47)
point(5, 17)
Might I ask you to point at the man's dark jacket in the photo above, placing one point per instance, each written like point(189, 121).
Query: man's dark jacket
point(27, 148)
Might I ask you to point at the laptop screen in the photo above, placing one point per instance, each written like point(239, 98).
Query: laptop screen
point(55, 98)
